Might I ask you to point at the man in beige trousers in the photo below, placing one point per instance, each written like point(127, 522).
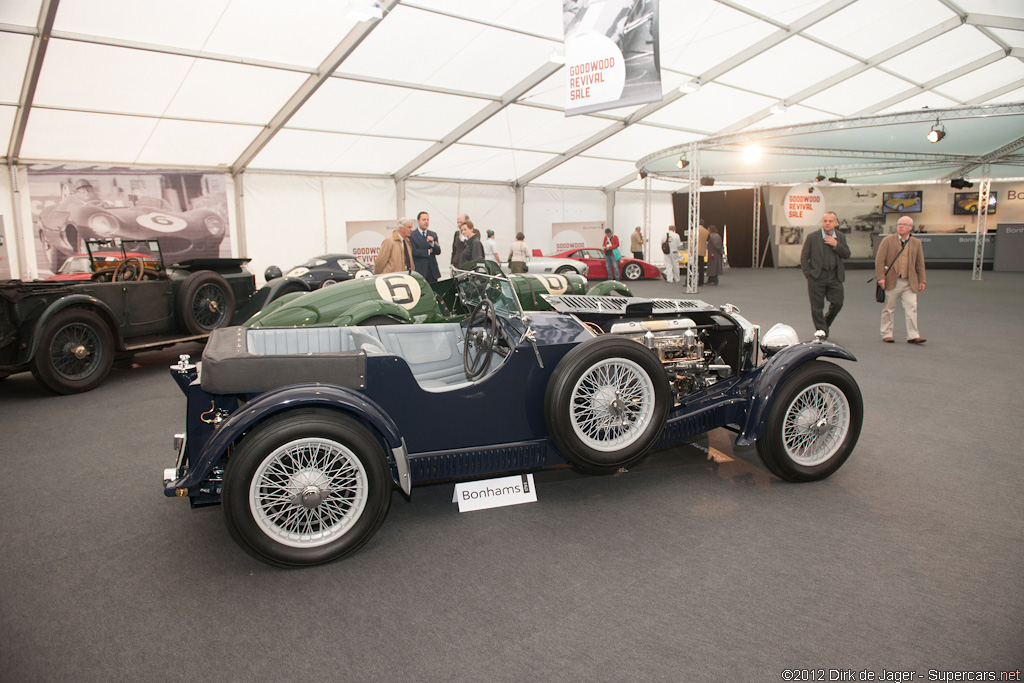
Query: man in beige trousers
point(904, 279)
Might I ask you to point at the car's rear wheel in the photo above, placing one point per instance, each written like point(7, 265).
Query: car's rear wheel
point(813, 424)
point(76, 350)
point(606, 403)
point(205, 302)
point(633, 271)
point(306, 487)
point(328, 283)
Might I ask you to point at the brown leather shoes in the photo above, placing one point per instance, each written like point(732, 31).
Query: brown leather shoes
point(916, 340)
point(887, 340)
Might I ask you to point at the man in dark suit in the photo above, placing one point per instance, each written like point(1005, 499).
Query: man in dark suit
point(822, 263)
point(425, 248)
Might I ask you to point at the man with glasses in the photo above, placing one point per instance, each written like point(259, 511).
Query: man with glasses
point(458, 244)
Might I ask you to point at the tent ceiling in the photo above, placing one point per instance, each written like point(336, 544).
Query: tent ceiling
point(466, 90)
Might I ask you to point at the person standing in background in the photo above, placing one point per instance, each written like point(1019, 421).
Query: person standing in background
point(670, 249)
point(473, 250)
point(458, 244)
point(702, 251)
point(425, 248)
point(822, 262)
point(491, 248)
point(518, 254)
point(903, 255)
point(395, 255)
point(636, 244)
point(611, 253)
point(716, 255)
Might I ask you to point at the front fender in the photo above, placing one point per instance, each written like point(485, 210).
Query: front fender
point(340, 399)
point(369, 309)
point(773, 373)
point(30, 343)
point(609, 287)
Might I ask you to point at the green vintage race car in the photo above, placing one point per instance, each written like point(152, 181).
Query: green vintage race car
point(408, 298)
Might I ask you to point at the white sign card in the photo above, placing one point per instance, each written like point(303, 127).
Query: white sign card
point(493, 493)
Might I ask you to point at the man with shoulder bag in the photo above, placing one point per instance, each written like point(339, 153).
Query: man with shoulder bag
point(900, 272)
point(670, 248)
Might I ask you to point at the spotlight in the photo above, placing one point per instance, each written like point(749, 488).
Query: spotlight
point(682, 163)
point(960, 184)
point(836, 179)
point(937, 132)
point(690, 86)
point(640, 175)
point(707, 181)
point(818, 178)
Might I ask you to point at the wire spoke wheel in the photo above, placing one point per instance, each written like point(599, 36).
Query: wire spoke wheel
point(612, 404)
point(308, 492)
point(209, 306)
point(75, 351)
point(816, 424)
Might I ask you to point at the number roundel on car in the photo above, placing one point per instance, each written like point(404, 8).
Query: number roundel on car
point(556, 284)
point(161, 222)
point(399, 288)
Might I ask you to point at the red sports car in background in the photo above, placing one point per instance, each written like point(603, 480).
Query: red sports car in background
point(629, 268)
point(78, 267)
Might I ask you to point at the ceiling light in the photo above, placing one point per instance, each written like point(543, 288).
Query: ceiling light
point(362, 10)
point(836, 179)
point(707, 181)
point(641, 174)
point(960, 184)
point(818, 178)
point(690, 86)
point(780, 108)
point(751, 153)
point(682, 163)
point(937, 132)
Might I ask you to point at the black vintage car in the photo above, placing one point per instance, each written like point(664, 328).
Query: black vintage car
point(67, 333)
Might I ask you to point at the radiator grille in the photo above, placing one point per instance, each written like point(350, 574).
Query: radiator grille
point(585, 303)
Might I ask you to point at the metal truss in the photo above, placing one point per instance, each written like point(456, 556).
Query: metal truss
point(693, 219)
point(981, 228)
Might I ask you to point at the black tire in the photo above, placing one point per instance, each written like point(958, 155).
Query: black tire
point(632, 271)
point(569, 403)
point(205, 302)
point(792, 447)
point(328, 283)
point(76, 350)
point(562, 270)
point(292, 506)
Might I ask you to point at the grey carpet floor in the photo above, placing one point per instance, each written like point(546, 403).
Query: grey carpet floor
point(683, 569)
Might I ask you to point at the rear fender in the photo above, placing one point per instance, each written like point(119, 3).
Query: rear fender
point(773, 373)
point(340, 399)
point(606, 287)
point(31, 335)
point(369, 309)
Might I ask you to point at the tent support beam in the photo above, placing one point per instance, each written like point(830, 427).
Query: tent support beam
point(47, 13)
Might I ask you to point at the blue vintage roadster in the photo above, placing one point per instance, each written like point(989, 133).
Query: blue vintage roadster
point(302, 432)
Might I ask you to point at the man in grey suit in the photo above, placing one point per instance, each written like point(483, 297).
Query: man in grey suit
point(822, 263)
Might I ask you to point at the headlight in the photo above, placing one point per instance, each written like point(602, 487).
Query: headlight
point(780, 336)
point(104, 224)
point(214, 225)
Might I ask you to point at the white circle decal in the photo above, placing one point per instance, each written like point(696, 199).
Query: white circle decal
point(161, 222)
point(804, 205)
point(555, 283)
point(363, 273)
point(399, 288)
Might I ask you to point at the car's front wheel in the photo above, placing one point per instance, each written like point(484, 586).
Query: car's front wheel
point(76, 350)
point(813, 424)
point(633, 271)
point(306, 487)
point(606, 403)
point(562, 270)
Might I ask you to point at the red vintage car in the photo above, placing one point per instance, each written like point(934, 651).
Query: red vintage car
point(629, 268)
point(80, 267)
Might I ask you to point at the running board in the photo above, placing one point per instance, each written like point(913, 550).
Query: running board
point(154, 342)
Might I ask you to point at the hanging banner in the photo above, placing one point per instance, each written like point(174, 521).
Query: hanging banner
point(364, 238)
point(186, 211)
point(611, 54)
point(577, 235)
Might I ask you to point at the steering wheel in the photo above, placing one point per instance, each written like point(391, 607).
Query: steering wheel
point(481, 332)
point(129, 270)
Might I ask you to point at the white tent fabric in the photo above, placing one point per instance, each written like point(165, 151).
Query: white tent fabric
point(198, 83)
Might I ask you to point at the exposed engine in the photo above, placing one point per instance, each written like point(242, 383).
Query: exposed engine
point(683, 349)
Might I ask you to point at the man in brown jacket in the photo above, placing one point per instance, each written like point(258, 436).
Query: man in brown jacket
point(904, 279)
point(395, 254)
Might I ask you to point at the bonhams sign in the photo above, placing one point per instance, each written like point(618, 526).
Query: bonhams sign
point(611, 54)
point(804, 205)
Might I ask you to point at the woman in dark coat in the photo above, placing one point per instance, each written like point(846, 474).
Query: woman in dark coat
point(716, 253)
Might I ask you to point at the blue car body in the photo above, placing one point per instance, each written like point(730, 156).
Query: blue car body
point(405, 386)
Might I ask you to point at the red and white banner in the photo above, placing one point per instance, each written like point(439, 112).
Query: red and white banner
point(611, 54)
